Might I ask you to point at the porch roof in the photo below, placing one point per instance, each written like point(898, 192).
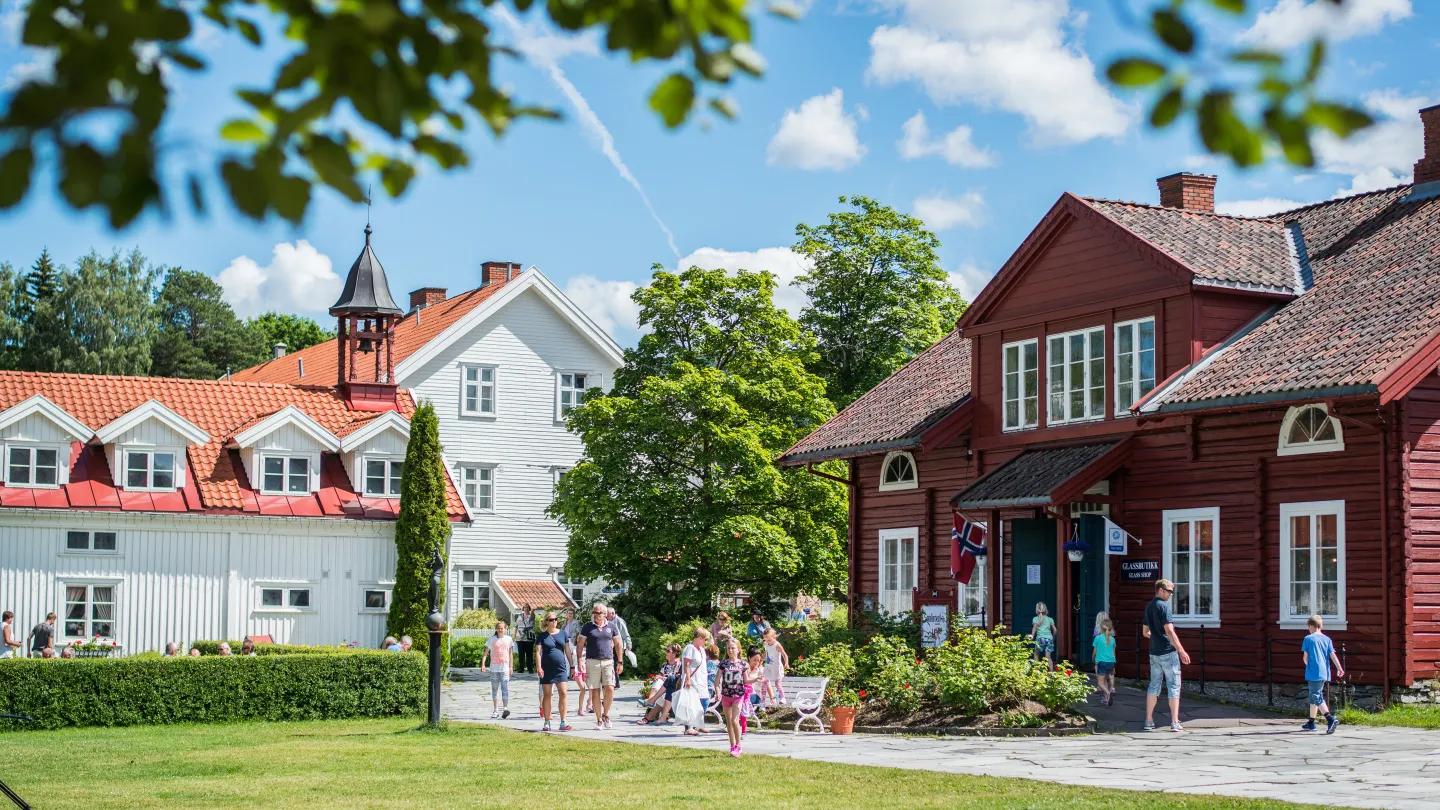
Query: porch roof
point(537, 593)
point(1045, 476)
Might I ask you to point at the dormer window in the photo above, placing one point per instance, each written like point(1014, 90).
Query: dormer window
point(146, 469)
point(382, 476)
point(898, 472)
point(32, 466)
point(1310, 429)
point(285, 475)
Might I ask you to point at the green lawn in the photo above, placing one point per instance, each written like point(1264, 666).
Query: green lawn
point(385, 763)
point(1398, 714)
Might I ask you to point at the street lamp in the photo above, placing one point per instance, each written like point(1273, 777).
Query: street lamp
point(435, 623)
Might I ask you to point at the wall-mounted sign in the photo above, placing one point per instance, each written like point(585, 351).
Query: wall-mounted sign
point(1116, 540)
point(1032, 575)
point(934, 625)
point(1140, 570)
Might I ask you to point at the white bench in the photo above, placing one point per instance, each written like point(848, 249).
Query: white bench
point(807, 697)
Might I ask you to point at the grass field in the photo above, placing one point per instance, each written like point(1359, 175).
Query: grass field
point(386, 763)
point(1398, 714)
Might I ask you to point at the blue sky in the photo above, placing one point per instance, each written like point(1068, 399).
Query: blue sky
point(1011, 112)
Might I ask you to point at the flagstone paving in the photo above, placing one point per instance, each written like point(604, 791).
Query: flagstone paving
point(1224, 750)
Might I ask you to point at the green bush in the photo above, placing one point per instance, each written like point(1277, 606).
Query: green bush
point(466, 651)
point(890, 671)
point(1058, 688)
point(146, 691)
point(475, 619)
point(806, 638)
point(833, 661)
point(213, 648)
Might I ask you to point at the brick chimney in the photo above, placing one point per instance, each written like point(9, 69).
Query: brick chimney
point(1427, 168)
point(498, 272)
point(1193, 192)
point(426, 296)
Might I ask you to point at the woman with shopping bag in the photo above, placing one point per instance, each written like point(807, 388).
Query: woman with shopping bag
point(694, 696)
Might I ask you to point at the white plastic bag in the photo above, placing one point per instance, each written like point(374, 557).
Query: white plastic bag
point(688, 711)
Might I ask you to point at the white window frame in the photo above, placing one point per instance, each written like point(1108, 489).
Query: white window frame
point(1169, 519)
point(962, 590)
point(571, 587)
point(480, 385)
point(912, 483)
point(177, 468)
point(578, 392)
point(1285, 448)
point(367, 587)
point(1021, 397)
point(312, 473)
point(390, 461)
point(904, 596)
point(286, 589)
point(1122, 408)
point(1087, 386)
point(487, 470)
point(1312, 509)
point(487, 583)
point(89, 584)
point(89, 550)
point(62, 463)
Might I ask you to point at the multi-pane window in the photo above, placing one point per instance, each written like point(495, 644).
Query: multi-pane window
point(1134, 363)
point(279, 598)
point(975, 593)
point(285, 475)
point(382, 477)
point(898, 472)
point(897, 570)
point(1022, 384)
point(1312, 565)
point(573, 587)
point(33, 467)
point(474, 588)
point(97, 542)
point(478, 390)
point(1192, 549)
point(478, 485)
point(149, 470)
point(1077, 376)
point(89, 611)
point(572, 392)
point(1310, 429)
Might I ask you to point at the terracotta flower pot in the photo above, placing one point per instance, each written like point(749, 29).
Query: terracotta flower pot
point(842, 719)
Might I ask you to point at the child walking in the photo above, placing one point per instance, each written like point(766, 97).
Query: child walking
point(730, 680)
point(754, 680)
point(776, 662)
point(499, 650)
point(1318, 653)
point(1104, 647)
point(1042, 633)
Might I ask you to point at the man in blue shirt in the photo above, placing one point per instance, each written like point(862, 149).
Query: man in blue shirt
point(1318, 652)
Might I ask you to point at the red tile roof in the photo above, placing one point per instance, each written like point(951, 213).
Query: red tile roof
point(537, 593)
point(216, 481)
point(895, 413)
point(411, 333)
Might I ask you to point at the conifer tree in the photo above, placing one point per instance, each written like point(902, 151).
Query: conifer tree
point(43, 280)
point(423, 526)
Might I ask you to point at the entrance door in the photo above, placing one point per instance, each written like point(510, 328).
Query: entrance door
point(1032, 573)
point(1089, 577)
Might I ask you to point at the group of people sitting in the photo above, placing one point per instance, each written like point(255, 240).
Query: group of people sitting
point(392, 644)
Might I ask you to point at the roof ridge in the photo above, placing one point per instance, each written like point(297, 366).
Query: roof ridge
point(174, 380)
point(1183, 210)
point(1333, 200)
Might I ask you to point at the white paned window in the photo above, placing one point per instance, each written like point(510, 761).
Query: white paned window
point(898, 472)
point(477, 395)
point(285, 475)
point(146, 469)
point(974, 595)
point(1310, 429)
point(474, 588)
point(375, 598)
point(574, 587)
point(1022, 384)
point(285, 598)
point(89, 611)
point(1077, 376)
point(77, 542)
point(1192, 562)
point(570, 392)
point(1312, 563)
point(478, 486)
point(382, 477)
point(898, 569)
point(1134, 363)
point(29, 466)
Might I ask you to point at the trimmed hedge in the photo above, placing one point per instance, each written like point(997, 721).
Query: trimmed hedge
point(148, 691)
point(213, 648)
point(466, 652)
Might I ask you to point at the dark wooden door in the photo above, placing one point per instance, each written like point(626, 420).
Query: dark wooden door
point(1032, 570)
point(1089, 577)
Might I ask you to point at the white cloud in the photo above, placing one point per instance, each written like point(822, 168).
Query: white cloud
point(298, 279)
point(941, 212)
point(606, 302)
point(957, 147)
point(785, 264)
point(1262, 207)
point(1382, 155)
point(970, 279)
point(820, 135)
point(1021, 56)
point(1296, 22)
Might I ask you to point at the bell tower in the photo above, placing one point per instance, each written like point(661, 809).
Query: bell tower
point(366, 327)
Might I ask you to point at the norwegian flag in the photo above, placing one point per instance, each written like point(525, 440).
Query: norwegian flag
point(967, 542)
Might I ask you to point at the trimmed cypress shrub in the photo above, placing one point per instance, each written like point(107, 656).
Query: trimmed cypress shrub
point(151, 691)
point(421, 527)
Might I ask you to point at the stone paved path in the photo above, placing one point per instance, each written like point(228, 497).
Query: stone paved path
point(1228, 752)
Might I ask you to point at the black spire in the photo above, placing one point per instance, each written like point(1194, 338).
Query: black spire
point(366, 290)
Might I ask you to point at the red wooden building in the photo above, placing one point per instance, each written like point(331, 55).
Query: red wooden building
point(1256, 399)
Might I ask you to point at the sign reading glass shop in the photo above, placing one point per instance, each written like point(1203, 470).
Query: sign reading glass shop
point(1140, 570)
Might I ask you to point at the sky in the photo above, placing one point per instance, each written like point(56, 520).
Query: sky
point(974, 115)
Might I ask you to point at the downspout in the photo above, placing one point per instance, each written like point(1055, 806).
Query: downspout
point(1385, 554)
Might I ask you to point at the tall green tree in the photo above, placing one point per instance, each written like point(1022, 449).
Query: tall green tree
point(40, 316)
point(677, 493)
point(877, 295)
point(13, 305)
point(101, 319)
point(295, 331)
point(199, 336)
point(421, 528)
point(43, 280)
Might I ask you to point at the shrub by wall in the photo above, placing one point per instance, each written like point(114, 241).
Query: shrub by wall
point(213, 648)
point(466, 651)
point(145, 691)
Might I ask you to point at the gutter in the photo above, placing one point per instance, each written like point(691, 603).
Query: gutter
point(1270, 398)
point(837, 453)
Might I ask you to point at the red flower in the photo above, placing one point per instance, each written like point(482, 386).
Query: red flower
point(917, 660)
point(862, 693)
point(907, 686)
point(1069, 672)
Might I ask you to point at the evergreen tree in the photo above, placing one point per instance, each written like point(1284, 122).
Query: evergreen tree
point(99, 320)
point(422, 528)
point(12, 321)
point(200, 337)
point(43, 280)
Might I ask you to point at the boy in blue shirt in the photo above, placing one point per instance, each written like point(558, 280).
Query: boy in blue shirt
point(1318, 653)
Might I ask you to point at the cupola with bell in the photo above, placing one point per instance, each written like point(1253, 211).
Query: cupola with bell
point(367, 316)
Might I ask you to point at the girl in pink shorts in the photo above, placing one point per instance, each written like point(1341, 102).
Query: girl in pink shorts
point(730, 683)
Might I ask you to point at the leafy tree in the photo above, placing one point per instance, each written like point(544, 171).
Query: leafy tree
point(417, 73)
point(1281, 107)
point(677, 492)
point(200, 337)
point(422, 527)
point(295, 331)
point(12, 322)
point(101, 319)
point(877, 295)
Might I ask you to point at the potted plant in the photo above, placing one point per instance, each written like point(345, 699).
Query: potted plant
point(1076, 549)
point(843, 701)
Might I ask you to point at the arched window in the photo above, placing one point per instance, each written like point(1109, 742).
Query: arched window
point(1310, 429)
point(898, 472)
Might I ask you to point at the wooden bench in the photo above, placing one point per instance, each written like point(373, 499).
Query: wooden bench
point(807, 697)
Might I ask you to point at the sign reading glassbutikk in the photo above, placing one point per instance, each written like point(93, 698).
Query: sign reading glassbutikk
point(1140, 570)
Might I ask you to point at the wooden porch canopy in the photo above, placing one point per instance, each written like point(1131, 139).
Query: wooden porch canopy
point(1044, 477)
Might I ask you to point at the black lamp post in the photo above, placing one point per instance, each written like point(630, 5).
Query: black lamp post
point(435, 623)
